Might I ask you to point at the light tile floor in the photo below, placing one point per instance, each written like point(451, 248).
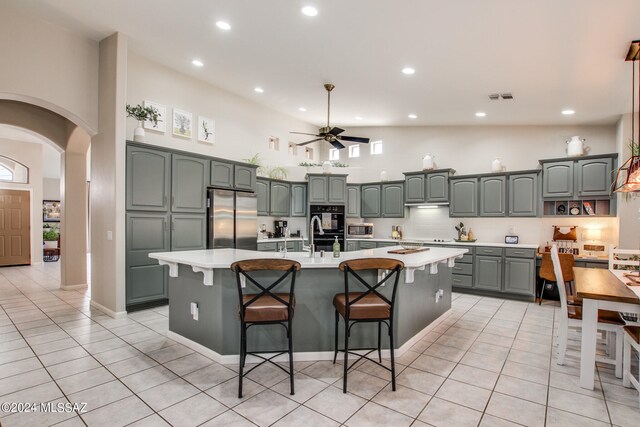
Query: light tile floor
point(489, 363)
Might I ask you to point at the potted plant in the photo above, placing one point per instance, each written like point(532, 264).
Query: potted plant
point(142, 114)
point(50, 237)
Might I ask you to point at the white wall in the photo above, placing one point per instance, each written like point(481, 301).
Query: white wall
point(30, 155)
point(51, 188)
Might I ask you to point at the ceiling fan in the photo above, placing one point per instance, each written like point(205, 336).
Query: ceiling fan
point(331, 134)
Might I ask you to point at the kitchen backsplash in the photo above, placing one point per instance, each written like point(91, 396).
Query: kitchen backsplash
point(294, 224)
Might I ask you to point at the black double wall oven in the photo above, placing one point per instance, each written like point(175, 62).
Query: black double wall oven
point(332, 219)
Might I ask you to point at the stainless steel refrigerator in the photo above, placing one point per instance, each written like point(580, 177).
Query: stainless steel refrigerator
point(232, 219)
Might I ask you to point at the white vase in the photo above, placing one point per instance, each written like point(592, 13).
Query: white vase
point(384, 176)
point(138, 132)
point(496, 165)
point(427, 162)
point(326, 166)
point(575, 147)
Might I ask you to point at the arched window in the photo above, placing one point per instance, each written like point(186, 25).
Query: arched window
point(13, 171)
point(5, 174)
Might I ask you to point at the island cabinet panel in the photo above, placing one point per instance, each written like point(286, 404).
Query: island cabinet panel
point(519, 274)
point(353, 201)
point(557, 179)
point(244, 178)
point(337, 189)
point(298, 199)
point(318, 189)
point(414, 188)
point(263, 191)
point(393, 200)
point(370, 198)
point(488, 272)
point(464, 197)
point(523, 195)
point(221, 174)
point(189, 179)
point(148, 179)
point(594, 177)
point(493, 195)
point(437, 185)
point(188, 232)
point(280, 204)
point(365, 244)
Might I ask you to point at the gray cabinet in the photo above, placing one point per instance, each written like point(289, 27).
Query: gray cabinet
point(370, 198)
point(298, 199)
point(263, 192)
point(188, 232)
point(437, 185)
point(148, 179)
point(414, 186)
point(280, 199)
point(488, 272)
point(366, 244)
point(244, 177)
point(519, 274)
point(464, 197)
point(352, 246)
point(189, 178)
point(268, 247)
point(493, 195)
point(557, 179)
point(327, 189)
point(392, 200)
point(318, 189)
point(523, 195)
point(353, 201)
point(337, 192)
point(221, 174)
point(594, 177)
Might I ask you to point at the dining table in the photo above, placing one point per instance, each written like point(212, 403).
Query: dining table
point(600, 289)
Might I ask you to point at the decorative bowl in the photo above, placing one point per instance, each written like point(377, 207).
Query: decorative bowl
point(410, 244)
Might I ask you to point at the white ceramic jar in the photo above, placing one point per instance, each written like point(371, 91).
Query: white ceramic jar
point(575, 146)
point(496, 165)
point(326, 166)
point(427, 162)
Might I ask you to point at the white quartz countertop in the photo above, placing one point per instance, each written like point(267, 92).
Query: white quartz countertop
point(476, 243)
point(281, 239)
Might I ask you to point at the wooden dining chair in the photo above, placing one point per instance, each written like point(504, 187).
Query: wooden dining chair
point(571, 317)
point(547, 274)
point(631, 340)
point(624, 259)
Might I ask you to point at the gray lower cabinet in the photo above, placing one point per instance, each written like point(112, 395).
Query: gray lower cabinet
point(298, 199)
point(148, 180)
point(189, 179)
point(414, 188)
point(188, 232)
point(280, 199)
point(353, 201)
point(594, 177)
point(337, 189)
point(146, 280)
point(318, 189)
point(222, 174)
point(268, 247)
point(557, 179)
point(392, 200)
point(464, 197)
point(370, 198)
point(523, 195)
point(493, 195)
point(263, 192)
point(292, 246)
point(365, 244)
point(519, 274)
point(244, 177)
point(437, 185)
point(487, 272)
point(352, 246)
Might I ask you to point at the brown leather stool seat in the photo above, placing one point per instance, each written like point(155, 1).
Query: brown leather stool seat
point(266, 308)
point(633, 332)
point(604, 316)
point(370, 306)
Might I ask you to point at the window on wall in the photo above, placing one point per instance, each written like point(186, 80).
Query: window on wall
point(308, 153)
point(13, 171)
point(334, 154)
point(274, 143)
point(376, 147)
point(354, 151)
point(293, 149)
point(5, 174)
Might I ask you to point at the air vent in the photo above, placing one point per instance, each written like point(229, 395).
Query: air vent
point(497, 96)
point(494, 96)
point(507, 96)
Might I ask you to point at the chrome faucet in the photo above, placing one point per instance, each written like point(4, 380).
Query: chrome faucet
point(312, 247)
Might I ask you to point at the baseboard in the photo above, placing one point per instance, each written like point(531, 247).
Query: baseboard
point(109, 312)
point(309, 356)
point(72, 287)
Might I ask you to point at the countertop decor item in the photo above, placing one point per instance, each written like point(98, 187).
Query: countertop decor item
point(427, 162)
point(407, 251)
point(575, 147)
point(511, 240)
point(410, 244)
point(465, 240)
point(142, 114)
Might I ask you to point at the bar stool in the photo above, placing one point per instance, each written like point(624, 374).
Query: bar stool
point(265, 308)
point(547, 274)
point(631, 340)
point(366, 307)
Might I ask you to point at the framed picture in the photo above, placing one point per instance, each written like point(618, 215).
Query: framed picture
point(51, 210)
point(206, 130)
point(182, 123)
point(512, 240)
point(161, 126)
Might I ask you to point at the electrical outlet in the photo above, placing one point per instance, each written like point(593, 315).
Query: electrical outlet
point(109, 235)
point(194, 310)
point(439, 294)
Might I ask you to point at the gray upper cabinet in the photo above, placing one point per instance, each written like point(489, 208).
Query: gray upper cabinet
point(353, 201)
point(493, 195)
point(523, 195)
point(244, 177)
point(318, 189)
point(370, 199)
point(519, 275)
point(148, 179)
point(298, 199)
point(188, 232)
point(594, 177)
point(263, 191)
point(464, 197)
point(280, 199)
point(414, 187)
point(392, 200)
point(488, 272)
point(437, 187)
point(221, 174)
point(189, 177)
point(557, 179)
point(337, 189)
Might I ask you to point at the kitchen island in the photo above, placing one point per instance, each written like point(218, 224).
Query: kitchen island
point(204, 277)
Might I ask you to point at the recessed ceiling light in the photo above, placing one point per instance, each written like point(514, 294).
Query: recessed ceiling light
point(310, 11)
point(197, 63)
point(413, 116)
point(408, 71)
point(223, 25)
point(258, 89)
point(480, 114)
point(358, 118)
point(302, 109)
point(568, 112)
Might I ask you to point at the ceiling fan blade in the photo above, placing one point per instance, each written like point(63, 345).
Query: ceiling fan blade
point(336, 144)
point(336, 131)
point(309, 142)
point(304, 133)
point(354, 139)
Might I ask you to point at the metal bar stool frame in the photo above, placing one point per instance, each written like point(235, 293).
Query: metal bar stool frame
point(368, 264)
point(241, 268)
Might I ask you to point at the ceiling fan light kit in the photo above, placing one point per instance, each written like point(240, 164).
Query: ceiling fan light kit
point(331, 134)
